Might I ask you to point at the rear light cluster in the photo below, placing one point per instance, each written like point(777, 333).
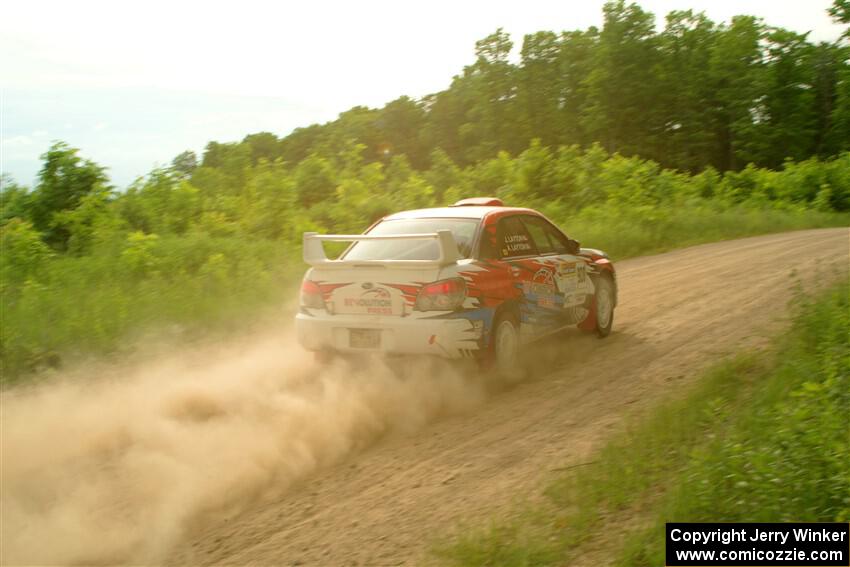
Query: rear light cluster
point(311, 295)
point(444, 295)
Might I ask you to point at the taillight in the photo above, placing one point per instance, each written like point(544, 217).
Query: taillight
point(311, 295)
point(444, 295)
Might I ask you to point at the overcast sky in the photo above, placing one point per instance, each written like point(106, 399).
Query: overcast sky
point(132, 84)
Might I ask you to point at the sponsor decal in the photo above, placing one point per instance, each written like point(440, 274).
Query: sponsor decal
point(571, 280)
point(543, 286)
point(376, 301)
point(566, 271)
point(543, 282)
point(544, 276)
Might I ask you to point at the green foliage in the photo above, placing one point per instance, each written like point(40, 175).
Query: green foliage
point(840, 12)
point(184, 164)
point(137, 256)
point(15, 200)
point(89, 222)
point(620, 86)
point(24, 253)
point(64, 181)
point(314, 181)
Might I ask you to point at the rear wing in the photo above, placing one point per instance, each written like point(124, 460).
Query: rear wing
point(314, 252)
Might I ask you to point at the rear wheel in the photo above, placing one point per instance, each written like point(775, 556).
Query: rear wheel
point(506, 347)
point(604, 306)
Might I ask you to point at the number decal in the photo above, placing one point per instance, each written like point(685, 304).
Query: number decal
point(581, 272)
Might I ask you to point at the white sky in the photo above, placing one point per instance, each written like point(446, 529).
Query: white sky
point(134, 83)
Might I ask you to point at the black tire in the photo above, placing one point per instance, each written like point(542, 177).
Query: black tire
point(505, 348)
point(604, 305)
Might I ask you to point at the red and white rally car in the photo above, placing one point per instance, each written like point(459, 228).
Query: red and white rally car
point(476, 279)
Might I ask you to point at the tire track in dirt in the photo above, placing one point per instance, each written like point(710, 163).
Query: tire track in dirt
point(678, 313)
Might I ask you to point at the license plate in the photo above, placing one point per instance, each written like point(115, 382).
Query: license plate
point(364, 338)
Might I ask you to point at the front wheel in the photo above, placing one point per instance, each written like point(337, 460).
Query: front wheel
point(604, 306)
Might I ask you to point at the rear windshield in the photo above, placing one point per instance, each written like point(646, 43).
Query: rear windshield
point(462, 229)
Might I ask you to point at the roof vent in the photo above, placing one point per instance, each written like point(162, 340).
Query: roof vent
point(480, 202)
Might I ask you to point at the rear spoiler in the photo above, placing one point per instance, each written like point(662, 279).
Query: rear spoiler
point(314, 252)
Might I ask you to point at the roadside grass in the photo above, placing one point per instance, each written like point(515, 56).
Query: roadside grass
point(788, 457)
point(764, 436)
point(168, 290)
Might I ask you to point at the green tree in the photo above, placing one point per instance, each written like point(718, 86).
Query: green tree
point(839, 123)
point(24, 252)
point(184, 164)
point(399, 125)
point(301, 142)
point(538, 86)
point(443, 176)
point(64, 180)
point(446, 115)
point(314, 181)
point(840, 12)
point(621, 114)
point(576, 60)
point(828, 61)
point(263, 145)
point(15, 200)
point(785, 115)
point(489, 124)
point(736, 77)
point(231, 159)
point(268, 206)
point(92, 220)
point(357, 125)
point(684, 95)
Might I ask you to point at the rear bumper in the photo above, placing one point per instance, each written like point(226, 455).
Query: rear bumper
point(447, 338)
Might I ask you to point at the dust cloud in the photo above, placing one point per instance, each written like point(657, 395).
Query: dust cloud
point(117, 468)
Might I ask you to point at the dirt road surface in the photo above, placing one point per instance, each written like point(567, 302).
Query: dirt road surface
point(254, 456)
point(678, 312)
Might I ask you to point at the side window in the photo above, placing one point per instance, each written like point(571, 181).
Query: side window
point(558, 243)
point(537, 227)
point(559, 240)
point(513, 239)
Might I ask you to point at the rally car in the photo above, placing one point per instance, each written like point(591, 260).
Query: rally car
point(475, 279)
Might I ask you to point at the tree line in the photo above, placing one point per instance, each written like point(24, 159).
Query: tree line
point(692, 95)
